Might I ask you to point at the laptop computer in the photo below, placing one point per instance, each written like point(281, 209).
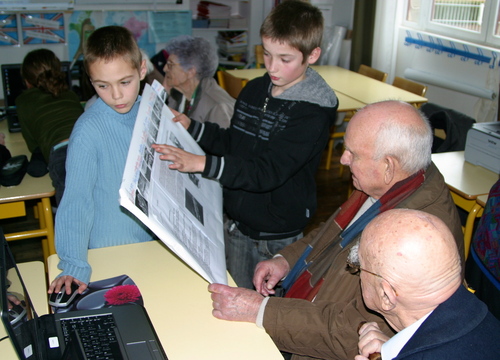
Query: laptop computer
point(126, 329)
point(13, 86)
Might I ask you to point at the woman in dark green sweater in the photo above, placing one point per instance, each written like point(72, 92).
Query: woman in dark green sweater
point(47, 111)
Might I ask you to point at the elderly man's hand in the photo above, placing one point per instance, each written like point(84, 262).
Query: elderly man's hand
point(268, 273)
point(371, 339)
point(235, 304)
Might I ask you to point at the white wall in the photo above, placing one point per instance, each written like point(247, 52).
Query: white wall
point(449, 71)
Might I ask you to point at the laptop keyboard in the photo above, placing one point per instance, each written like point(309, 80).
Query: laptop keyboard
point(96, 334)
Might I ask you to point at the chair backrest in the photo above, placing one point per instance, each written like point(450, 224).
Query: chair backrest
point(373, 73)
point(230, 83)
point(410, 86)
point(259, 56)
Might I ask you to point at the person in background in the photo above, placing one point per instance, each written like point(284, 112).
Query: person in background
point(388, 151)
point(268, 158)
point(411, 273)
point(189, 79)
point(482, 269)
point(47, 112)
point(90, 215)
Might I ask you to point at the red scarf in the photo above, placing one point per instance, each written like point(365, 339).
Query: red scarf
point(310, 275)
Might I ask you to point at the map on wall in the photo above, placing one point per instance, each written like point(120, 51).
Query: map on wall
point(43, 28)
point(82, 23)
point(8, 29)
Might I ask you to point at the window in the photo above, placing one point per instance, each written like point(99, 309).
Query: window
point(476, 21)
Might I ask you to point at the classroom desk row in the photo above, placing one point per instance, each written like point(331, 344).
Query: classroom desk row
point(353, 89)
point(469, 185)
point(13, 199)
point(175, 297)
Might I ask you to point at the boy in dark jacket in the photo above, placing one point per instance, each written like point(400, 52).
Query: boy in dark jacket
point(268, 158)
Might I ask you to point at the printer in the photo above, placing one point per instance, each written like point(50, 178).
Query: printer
point(482, 146)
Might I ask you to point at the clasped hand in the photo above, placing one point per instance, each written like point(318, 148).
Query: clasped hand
point(371, 339)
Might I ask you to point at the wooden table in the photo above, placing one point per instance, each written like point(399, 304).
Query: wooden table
point(13, 199)
point(346, 103)
point(349, 86)
point(466, 182)
point(33, 274)
point(179, 304)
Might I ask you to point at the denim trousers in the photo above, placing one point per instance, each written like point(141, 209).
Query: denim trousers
point(243, 253)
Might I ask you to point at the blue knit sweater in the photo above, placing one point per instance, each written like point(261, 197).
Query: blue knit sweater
point(90, 215)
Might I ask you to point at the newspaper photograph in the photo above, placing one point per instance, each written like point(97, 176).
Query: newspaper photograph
point(183, 209)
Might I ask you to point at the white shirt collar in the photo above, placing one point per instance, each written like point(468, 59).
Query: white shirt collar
point(393, 346)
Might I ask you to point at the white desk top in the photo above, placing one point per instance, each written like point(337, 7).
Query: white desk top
point(30, 187)
point(364, 88)
point(481, 200)
point(360, 88)
point(466, 179)
point(179, 304)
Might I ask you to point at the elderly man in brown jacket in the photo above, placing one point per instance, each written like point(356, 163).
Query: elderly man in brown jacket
point(388, 150)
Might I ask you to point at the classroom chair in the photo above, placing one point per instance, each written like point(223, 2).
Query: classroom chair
point(372, 72)
point(230, 83)
point(410, 86)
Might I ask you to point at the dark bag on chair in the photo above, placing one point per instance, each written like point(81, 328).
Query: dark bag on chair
point(13, 171)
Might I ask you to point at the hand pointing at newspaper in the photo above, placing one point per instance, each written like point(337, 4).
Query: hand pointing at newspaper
point(181, 160)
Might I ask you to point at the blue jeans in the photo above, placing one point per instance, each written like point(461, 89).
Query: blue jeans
point(243, 253)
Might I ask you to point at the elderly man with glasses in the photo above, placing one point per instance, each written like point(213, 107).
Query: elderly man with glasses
point(388, 150)
point(415, 281)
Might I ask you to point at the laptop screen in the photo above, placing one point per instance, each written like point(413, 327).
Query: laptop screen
point(13, 84)
point(15, 318)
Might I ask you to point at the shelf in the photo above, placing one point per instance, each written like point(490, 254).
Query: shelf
point(220, 29)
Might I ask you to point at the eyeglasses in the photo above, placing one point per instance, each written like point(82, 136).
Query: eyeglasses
point(355, 269)
point(170, 65)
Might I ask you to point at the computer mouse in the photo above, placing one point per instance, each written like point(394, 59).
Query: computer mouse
point(61, 299)
point(16, 312)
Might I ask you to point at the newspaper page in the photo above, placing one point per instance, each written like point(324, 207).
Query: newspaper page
point(183, 209)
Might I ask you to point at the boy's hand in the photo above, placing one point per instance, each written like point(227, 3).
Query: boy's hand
point(66, 280)
point(182, 161)
point(182, 118)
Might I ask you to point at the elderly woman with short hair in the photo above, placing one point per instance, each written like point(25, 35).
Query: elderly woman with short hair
point(189, 79)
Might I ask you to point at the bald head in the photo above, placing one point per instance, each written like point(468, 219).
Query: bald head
point(417, 254)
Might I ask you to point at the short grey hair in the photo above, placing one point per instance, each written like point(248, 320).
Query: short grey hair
point(410, 144)
point(194, 52)
point(353, 254)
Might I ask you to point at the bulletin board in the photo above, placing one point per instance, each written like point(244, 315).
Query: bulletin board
point(149, 28)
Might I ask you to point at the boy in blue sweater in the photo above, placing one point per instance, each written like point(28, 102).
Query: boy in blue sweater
point(90, 215)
